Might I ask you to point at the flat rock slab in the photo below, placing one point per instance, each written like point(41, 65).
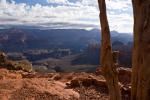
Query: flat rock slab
point(35, 89)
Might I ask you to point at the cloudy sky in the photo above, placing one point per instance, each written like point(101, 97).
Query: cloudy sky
point(65, 14)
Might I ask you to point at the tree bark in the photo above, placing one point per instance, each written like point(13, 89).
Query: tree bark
point(107, 61)
point(141, 51)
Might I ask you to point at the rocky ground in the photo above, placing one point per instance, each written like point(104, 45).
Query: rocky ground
point(20, 85)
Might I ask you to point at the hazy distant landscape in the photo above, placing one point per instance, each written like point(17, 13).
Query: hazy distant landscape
point(62, 50)
point(74, 49)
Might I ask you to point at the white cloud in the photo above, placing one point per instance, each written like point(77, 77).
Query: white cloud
point(58, 1)
point(81, 14)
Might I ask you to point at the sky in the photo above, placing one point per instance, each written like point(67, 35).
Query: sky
point(65, 14)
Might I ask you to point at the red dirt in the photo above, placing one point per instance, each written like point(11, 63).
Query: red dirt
point(19, 85)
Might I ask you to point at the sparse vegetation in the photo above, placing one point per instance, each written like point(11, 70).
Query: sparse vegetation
point(23, 65)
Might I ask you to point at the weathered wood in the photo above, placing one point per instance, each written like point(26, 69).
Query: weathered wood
point(141, 51)
point(107, 61)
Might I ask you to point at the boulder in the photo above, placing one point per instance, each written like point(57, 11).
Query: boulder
point(87, 81)
point(124, 74)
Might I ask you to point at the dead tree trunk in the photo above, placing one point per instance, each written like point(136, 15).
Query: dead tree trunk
point(107, 61)
point(141, 51)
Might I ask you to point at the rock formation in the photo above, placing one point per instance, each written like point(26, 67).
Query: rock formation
point(14, 86)
point(14, 65)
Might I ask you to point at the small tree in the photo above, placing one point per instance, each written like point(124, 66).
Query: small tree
point(107, 61)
